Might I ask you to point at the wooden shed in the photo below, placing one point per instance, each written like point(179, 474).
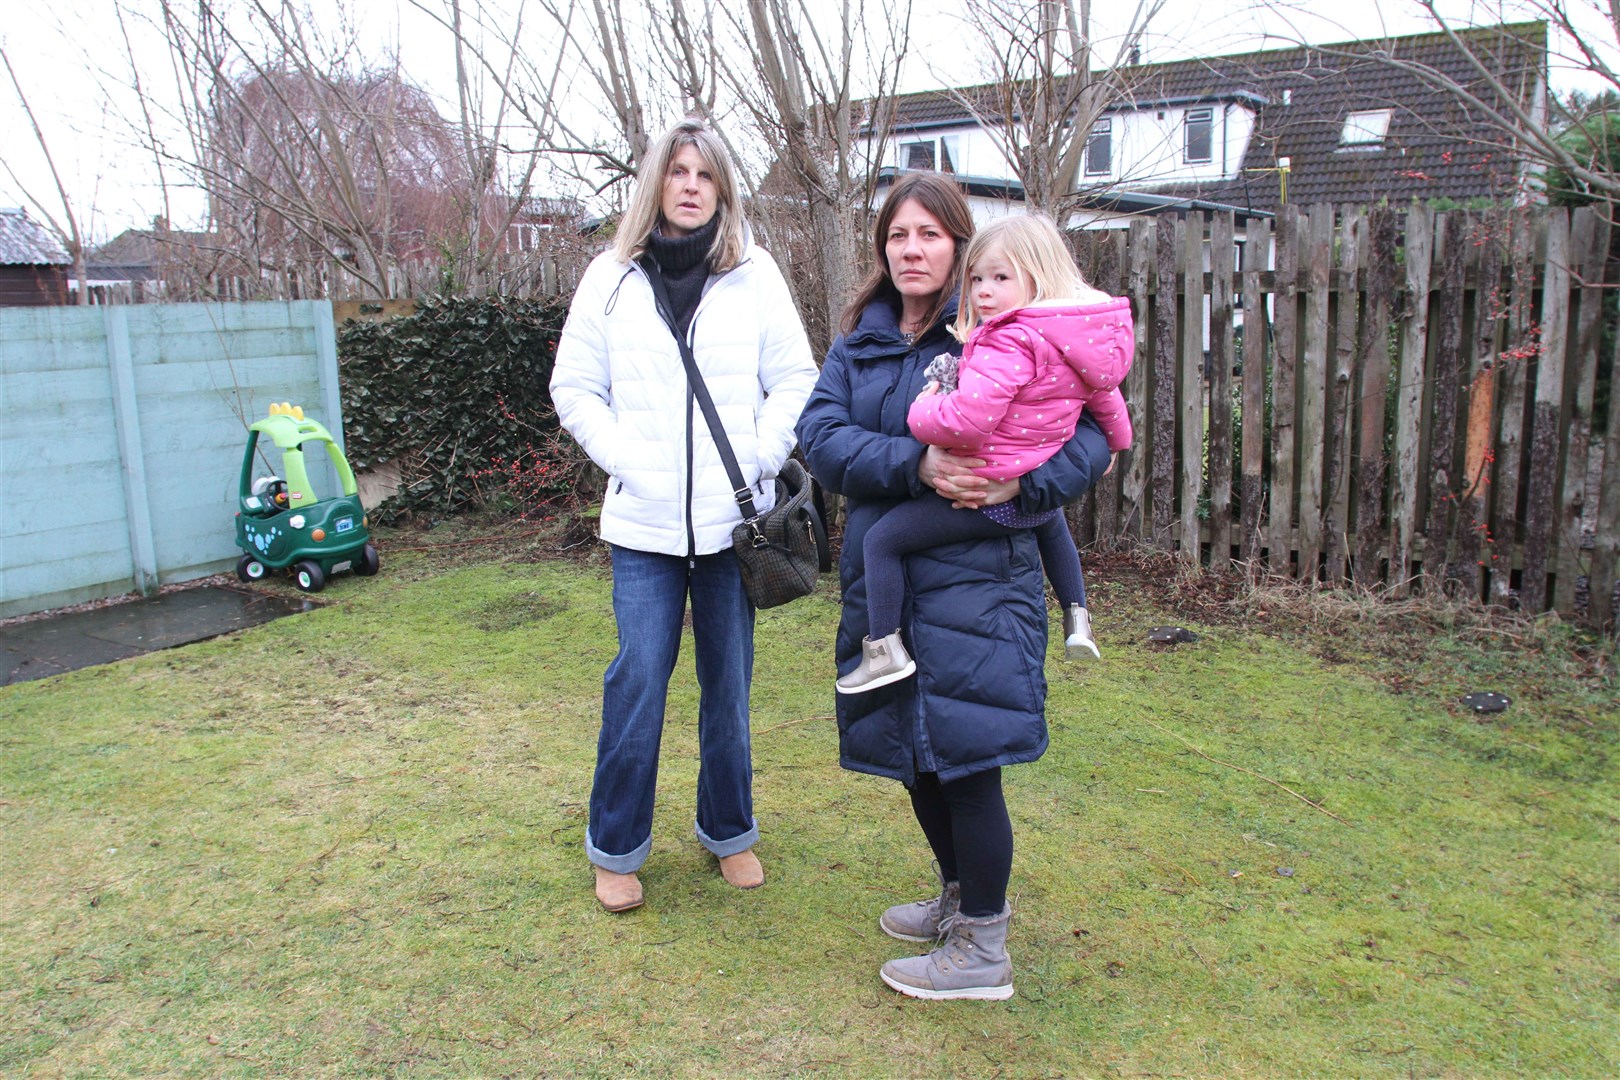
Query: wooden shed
point(34, 266)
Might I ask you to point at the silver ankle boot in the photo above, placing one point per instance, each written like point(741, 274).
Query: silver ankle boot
point(882, 662)
point(972, 964)
point(1077, 639)
point(921, 920)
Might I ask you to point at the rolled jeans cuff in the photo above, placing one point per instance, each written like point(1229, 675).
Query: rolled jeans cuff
point(722, 848)
point(618, 864)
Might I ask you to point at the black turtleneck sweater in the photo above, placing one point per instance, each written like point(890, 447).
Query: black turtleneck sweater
point(683, 263)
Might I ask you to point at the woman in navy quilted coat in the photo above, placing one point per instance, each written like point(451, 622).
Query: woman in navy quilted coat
point(975, 615)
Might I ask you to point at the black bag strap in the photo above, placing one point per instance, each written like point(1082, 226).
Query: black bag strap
point(739, 487)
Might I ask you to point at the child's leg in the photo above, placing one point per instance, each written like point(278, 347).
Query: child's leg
point(1062, 561)
point(924, 522)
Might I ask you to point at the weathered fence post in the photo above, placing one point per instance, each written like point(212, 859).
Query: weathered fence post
point(1256, 328)
point(1190, 231)
point(1589, 247)
point(1285, 369)
point(1511, 391)
point(1420, 230)
point(1341, 403)
point(1161, 505)
point(1447, 370)
point(1606, 544)
point(1473, 506)
point(1108, 261)
point(1371, 468)
point(1539, 520)
point(1313, 390)
point(1221, 265)
point(1136, 459)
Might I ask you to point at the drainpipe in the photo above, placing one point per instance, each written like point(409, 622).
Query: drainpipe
point(1226, 120)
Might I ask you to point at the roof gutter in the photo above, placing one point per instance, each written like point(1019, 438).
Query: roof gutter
point(1232, 97)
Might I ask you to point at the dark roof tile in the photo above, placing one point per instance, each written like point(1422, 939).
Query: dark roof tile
point(1434, 146)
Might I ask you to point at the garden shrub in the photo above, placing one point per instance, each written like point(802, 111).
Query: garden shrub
point(456, 396)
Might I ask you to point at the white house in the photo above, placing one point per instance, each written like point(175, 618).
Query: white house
point(1333, 123)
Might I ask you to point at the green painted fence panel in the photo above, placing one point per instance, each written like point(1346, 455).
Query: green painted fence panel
point(204, 347)
point(121, 435)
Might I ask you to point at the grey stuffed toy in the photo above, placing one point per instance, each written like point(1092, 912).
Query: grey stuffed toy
point(942, 370)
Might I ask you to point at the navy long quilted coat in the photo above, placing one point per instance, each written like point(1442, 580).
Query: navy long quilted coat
point(975, 615)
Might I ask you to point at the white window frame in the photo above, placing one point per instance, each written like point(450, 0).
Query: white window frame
point(1102, 131)
point(944, 153)
point(1205, 117)
point(927, 146)
point(1365, 129)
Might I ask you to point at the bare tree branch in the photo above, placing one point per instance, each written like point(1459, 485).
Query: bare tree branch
point(67, 233)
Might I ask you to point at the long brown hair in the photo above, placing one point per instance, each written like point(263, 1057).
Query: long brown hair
point(936, 194)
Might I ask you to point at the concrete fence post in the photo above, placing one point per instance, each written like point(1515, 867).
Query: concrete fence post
point(126, 416)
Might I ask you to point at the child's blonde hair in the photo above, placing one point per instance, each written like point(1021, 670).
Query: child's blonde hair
point(1032, 243)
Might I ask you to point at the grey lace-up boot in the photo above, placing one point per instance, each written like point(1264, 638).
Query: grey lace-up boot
point(972, 964)
point(921, 920)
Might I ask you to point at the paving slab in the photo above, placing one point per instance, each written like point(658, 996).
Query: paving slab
point(52, 644)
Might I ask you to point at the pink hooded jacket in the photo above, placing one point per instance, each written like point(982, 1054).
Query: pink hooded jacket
point(1023, 379)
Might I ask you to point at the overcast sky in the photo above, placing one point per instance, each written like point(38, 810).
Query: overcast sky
point(55, 45)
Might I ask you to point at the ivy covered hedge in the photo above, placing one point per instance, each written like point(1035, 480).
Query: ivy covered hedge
point(456, 397)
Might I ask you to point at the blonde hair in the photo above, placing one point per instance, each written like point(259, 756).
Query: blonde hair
point(1032, 243)
point(646, 210)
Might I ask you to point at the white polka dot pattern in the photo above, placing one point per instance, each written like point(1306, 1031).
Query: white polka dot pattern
point(1013, 407)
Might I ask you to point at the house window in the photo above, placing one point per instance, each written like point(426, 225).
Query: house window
point(939, 154)
point(917, 155)
point(519, 238)
point(1200, 142)
point(525, 236)
point(1100, 149)
point(1365, 130)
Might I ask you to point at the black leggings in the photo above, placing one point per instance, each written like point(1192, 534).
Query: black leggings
point(966, 824)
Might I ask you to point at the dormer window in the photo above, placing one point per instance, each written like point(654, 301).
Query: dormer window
point(1100, 149)
point(939, 155)
point(1365, 130)
point(1200, 136)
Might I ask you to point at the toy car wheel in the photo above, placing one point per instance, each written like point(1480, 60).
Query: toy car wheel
point(309, 576)
point(368, 563)
point(250, 569)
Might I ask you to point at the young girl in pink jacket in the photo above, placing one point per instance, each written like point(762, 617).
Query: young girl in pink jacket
point(1040, 345)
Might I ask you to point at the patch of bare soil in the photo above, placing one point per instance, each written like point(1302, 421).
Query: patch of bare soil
point(1164, 582)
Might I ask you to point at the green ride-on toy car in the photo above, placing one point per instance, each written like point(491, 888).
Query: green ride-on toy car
point(283, 525)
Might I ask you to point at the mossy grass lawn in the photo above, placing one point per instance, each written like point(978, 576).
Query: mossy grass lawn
point(349, 843)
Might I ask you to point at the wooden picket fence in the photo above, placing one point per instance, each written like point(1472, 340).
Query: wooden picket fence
point(1398, 401)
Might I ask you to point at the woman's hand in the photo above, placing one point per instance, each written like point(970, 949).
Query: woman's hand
point(999, 491)
point(953, 477)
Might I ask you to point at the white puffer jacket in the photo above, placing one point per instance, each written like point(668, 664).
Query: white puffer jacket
point(621, 390)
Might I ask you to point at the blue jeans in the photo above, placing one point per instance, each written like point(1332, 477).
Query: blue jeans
point(649, 605)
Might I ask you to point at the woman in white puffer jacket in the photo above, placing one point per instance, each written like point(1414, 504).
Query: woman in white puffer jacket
point(621, 390)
